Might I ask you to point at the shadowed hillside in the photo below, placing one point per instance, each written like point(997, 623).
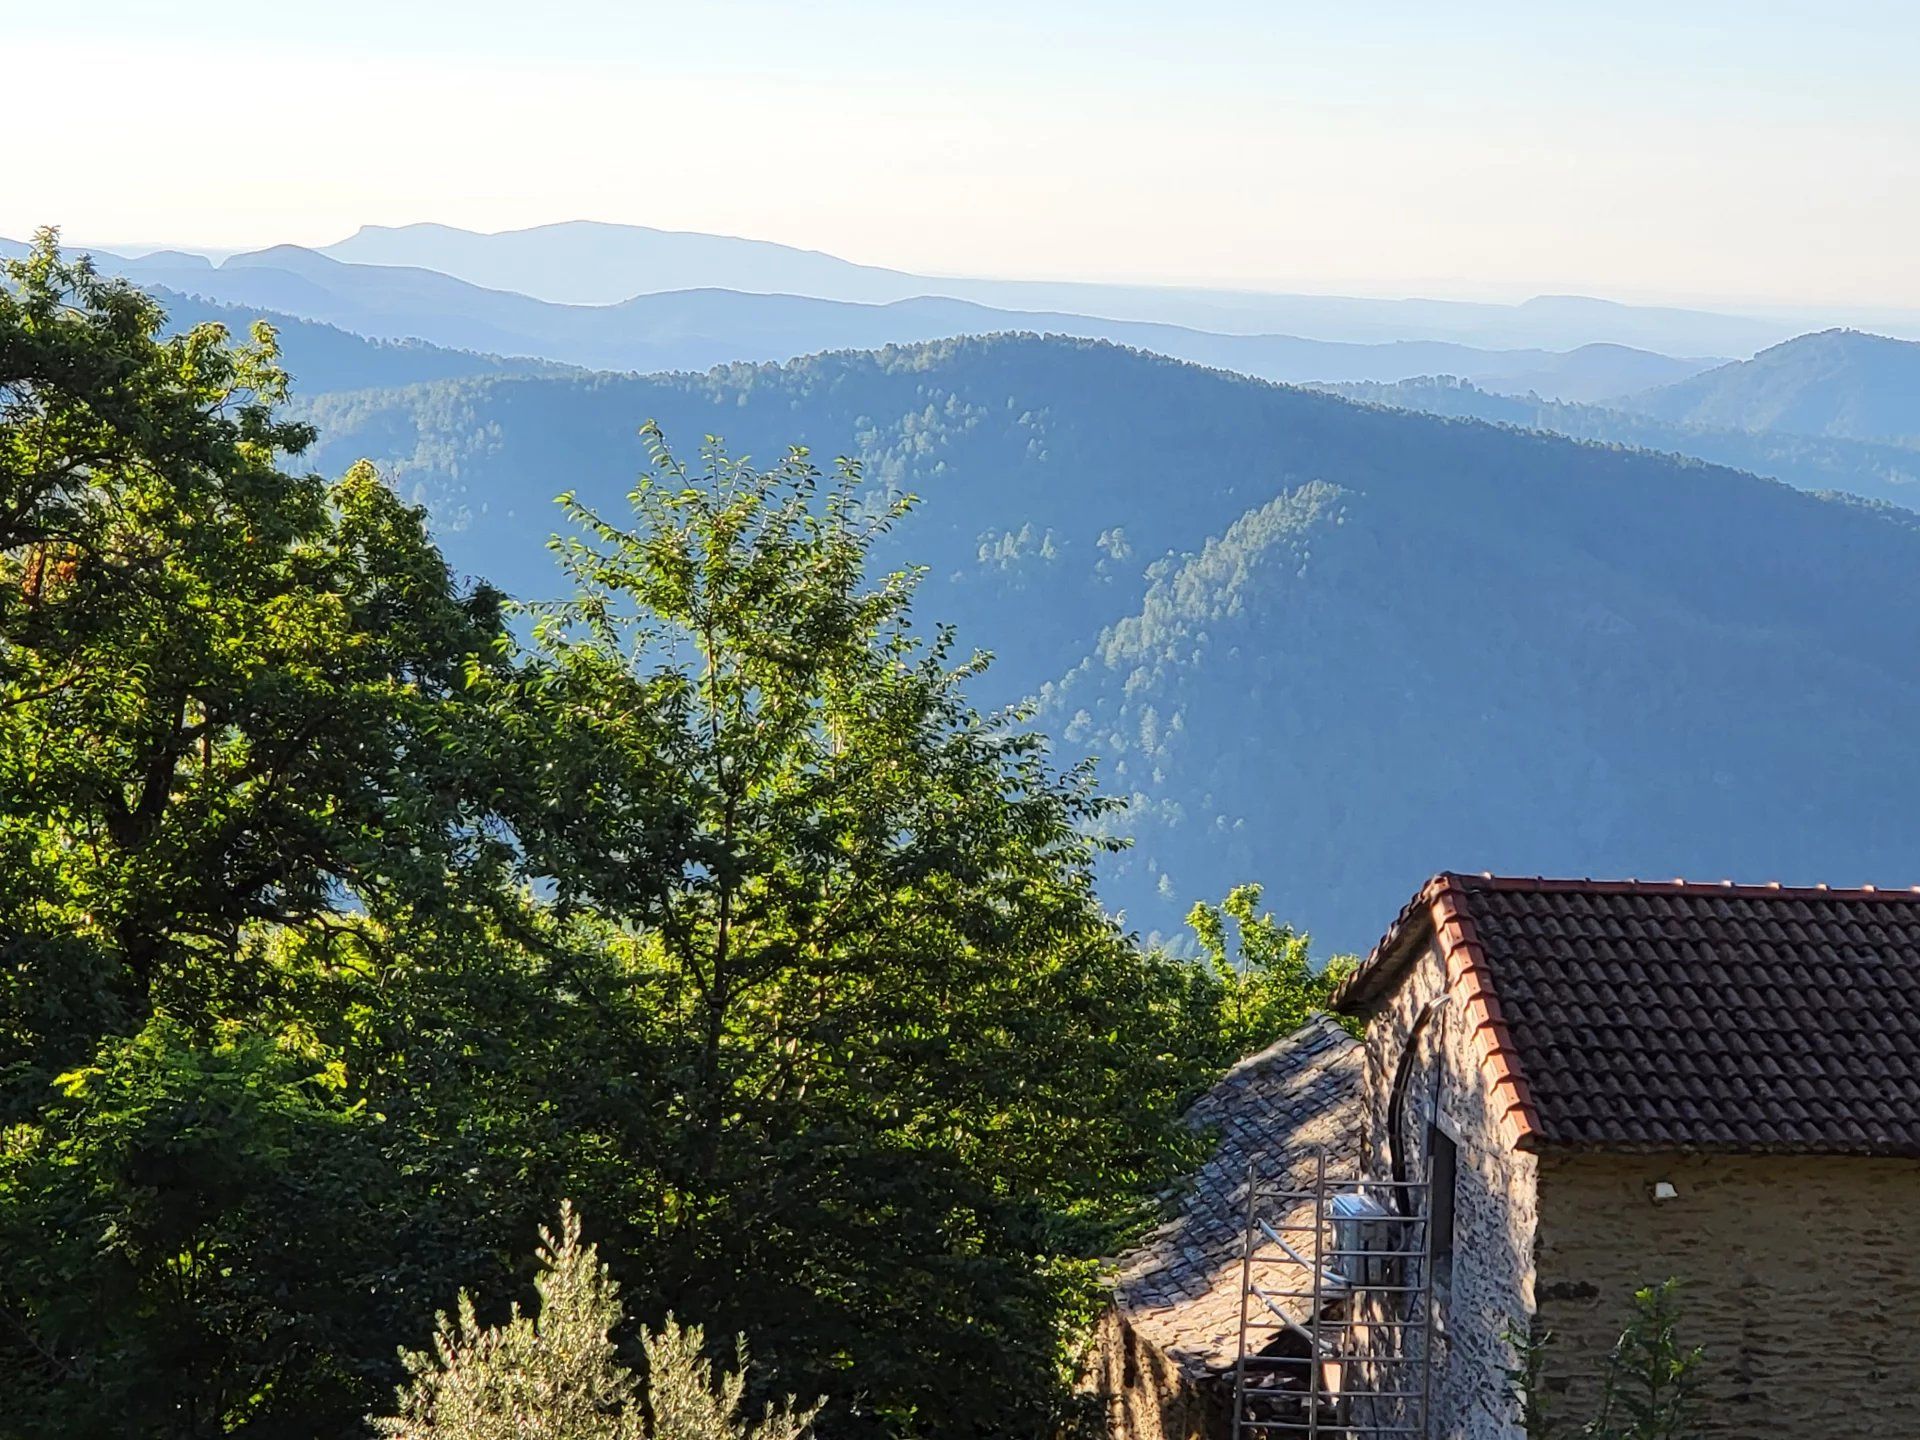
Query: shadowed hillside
point(1810, 462)
point(1325, 644)
point(1839, 382)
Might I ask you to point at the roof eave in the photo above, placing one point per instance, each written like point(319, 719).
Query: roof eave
point(1374, 978)
point(1439, 911)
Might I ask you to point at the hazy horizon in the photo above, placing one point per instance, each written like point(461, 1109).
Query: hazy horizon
point(1724, 157)
point(1817, 314)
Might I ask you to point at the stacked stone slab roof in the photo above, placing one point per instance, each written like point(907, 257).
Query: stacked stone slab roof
point(1659, 1015)
point(1180, 1290)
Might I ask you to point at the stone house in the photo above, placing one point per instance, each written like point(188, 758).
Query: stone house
point(1165, 1351)
point(1612, 1083)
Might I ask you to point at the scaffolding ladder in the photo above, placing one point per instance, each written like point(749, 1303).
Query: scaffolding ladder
point(1336, 1309)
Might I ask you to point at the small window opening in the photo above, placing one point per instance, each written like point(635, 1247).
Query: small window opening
point(1446, 1170)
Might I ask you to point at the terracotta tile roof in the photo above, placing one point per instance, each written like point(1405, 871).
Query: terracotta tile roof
point(1637, 1015)
point(1180, 1289)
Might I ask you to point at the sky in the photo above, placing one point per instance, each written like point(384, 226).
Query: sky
point(1761, 152)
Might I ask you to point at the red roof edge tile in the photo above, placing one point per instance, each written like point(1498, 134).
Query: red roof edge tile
point(1440, 910)
point(1465, 966)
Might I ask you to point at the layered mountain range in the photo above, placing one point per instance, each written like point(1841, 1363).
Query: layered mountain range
point(1327, 645)
point(1506, 591)
point(694, 329)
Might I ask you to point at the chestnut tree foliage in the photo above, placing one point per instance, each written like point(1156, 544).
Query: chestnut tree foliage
point(347, 922)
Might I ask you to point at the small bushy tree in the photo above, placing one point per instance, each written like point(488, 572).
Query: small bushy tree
point(555, 1374)
point(1652, 1379)
point(687, 1402)
point(552, 1375)
point(1650, 1386)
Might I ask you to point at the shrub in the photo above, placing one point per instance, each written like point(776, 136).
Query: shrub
point(1649, 1390)
point(555, 1375)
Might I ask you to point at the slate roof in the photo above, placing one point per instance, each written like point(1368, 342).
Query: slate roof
point(1636, 1015)
point(1180, 1289)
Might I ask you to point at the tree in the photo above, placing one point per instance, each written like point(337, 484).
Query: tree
point(551, 1375)
point(1649, 1387)
point(1260, 982)
point(228, 694)
point(194, 1234)
point(920, 1081)
point(236, 750)
point(342, 933)
point(1652, 1380)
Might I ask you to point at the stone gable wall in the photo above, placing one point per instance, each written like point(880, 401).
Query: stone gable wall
point(1491, 1286)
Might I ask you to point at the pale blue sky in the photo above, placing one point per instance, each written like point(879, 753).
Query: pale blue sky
point(1702, 151)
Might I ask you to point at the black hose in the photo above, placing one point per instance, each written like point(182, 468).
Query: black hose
point(1397, 1107)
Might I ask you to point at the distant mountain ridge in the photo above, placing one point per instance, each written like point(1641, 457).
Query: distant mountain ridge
point(697, 329)
point(318, 356)
point(322, 358)
point(1888, 473)
point(1845, 384)
point(586, 262)
point(593, 262)
point(1326, 645)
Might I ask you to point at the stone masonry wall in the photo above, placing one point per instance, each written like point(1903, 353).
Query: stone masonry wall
point(1145, 1394)
point(1802, 1280)
point(1491, 1287)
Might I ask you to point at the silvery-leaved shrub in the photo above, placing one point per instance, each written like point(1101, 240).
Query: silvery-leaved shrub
point(554, 1374)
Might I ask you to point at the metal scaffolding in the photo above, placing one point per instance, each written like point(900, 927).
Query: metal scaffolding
point(1336, 1309)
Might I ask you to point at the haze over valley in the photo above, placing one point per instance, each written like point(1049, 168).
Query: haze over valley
point(1189, 572)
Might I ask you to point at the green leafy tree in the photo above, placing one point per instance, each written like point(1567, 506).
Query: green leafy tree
point(225, 690)
point(340, 933)
point(195, 1236)
point(234, 736)
point(1652, 1379)
point(1259, 982)
point(920, 1081)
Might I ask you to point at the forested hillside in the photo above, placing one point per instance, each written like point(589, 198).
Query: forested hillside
point(1842, 383)
point(1329, 645)
point(1857, 467)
